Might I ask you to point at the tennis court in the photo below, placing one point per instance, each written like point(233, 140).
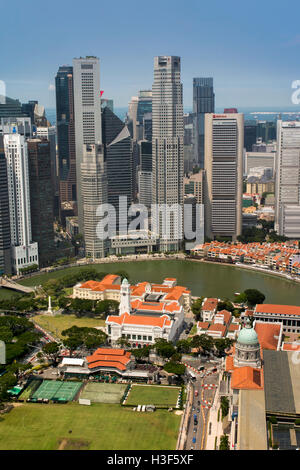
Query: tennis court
point(99, 392)
point(56, 390)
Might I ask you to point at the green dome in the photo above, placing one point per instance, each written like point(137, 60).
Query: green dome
point(125, 281)
point(247, 336)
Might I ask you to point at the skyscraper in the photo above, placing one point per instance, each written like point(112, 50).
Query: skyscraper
point(49, 133)
point(87, 110)
point(287, 181)
point(145, 173)
point(144, 107)
point(41, 198)
point(94, 193)
point(118, 155)
point(65, 125)
point(5, 242)
point(224, 141)
point(203, 102)
point(24, 250)
point(167, 150)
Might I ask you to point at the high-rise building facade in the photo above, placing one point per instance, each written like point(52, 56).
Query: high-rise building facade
point(94, 193)
point(144, 107)
point(5, 242)
point(145, 173)
point(118, 156)
point(203, 102)
point(287, 181)
point(87, 111)
point(224, 141)
point(24, 250)
point(41, 198)
point(65, 125)
point(49, 133)
point(167, 150)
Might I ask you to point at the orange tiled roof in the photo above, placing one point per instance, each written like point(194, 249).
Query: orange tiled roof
point(291, 347)
point(233, 327)
point(203, 325)
point(127, 319)
point(210, 304)
point(226, 314)
point(105, 357)
point(247, 378)
point(279, 309)
point(218, 327)
point(268, 334)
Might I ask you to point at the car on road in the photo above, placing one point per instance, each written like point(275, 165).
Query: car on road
point(198, 402)
point(198, 410)
point(201, 368)
point(194, 440)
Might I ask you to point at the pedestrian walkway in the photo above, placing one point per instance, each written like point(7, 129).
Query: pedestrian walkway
point(215, 428)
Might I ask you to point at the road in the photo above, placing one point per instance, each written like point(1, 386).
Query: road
point(201, 407)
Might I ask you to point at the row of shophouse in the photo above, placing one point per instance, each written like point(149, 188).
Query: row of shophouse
point(283, 257)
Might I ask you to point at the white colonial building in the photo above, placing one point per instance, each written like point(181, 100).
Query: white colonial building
point(141, 322)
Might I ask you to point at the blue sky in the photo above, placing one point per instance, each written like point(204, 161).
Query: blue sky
point(252, 49)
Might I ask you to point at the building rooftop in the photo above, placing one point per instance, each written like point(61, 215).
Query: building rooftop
point(252, 430)
point(278, 309)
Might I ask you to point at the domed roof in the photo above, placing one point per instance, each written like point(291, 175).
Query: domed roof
point(125, 281)
point(247, 335)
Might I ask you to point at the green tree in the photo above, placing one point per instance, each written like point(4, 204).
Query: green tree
point(254, 297)
point(51, 351)
point(183, 346)
point(164, 348)
point(17, 368)
point(174, 368)
point(203, 342)
point(224, 443)
point(224, 406)
point(221, 344)
point(225, 305)
point(197, 308)
point(107, 307)
point(123, 342)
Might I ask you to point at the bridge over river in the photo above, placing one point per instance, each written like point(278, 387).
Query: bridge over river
point(9, 284)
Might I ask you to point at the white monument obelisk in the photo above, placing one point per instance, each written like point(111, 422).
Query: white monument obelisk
point(49, 306)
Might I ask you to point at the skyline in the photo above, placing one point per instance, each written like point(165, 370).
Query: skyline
point(251, 58)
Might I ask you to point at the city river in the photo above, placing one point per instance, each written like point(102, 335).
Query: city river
point(203, 279)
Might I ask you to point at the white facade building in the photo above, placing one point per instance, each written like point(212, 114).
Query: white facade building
point(87, 110)
point(94, 193)
point(24, 251)
point(167, 150)
point(287, 182)
point(224, 141)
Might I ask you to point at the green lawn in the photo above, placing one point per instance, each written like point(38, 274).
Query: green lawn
point(103, 392)
point(153, 395)
point(58, 323)
point(99, 426)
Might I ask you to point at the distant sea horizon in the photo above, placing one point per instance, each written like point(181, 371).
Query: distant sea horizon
point(250, 112)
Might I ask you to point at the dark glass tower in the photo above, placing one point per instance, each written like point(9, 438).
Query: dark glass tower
point(66, 133)
point(118, 155)
point(41, 198)
point(203, 102)
point(249, 135)
point(5, 240)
